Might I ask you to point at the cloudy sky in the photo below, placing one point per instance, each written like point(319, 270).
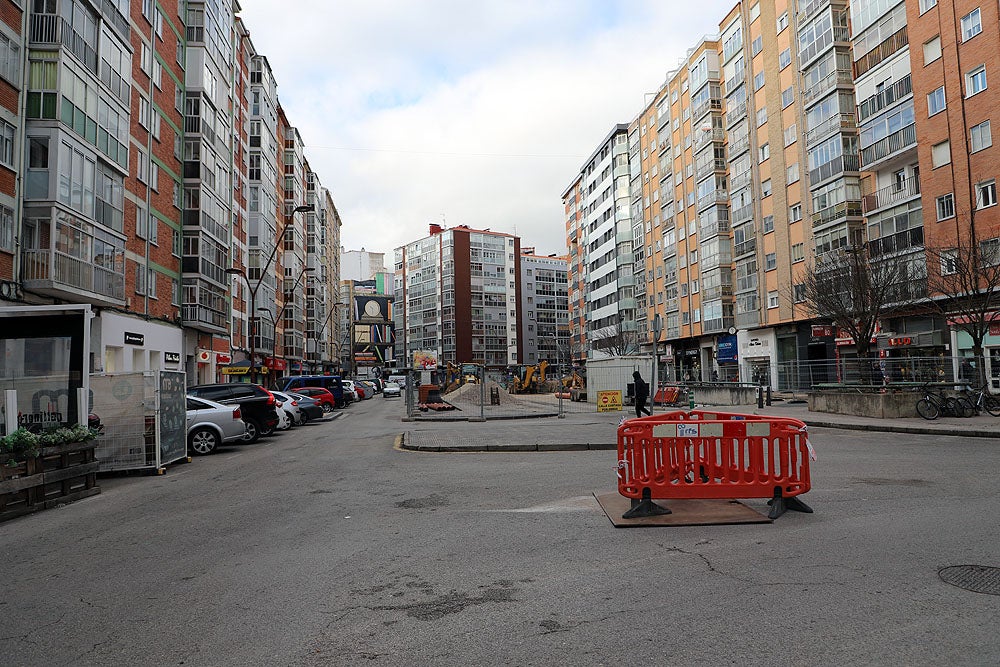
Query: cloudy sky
point(474, 113)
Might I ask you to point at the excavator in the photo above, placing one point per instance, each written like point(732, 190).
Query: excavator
point(576, 384)
point(528, 378)
point(456, 376)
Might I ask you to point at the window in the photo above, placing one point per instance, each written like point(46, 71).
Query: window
point(792, 173)
point(770, 261)
point(798, 252)
point(941, 154)
point(756, 46)
point(972, 25)
point(975, 81)
point(782, 22)
point(990, 251)
point(980, 137)
point(6, 229)
point(758, 80)
point(765, 152)
point(768, 223)
point(6, 143)
point(936, 102)
point(799, 292)
point(949, 262)
point(986, 193)
point(932, 50)
point(10, 60)
point(926, 4)
point(791, 134)
point(785, 58)
point(787, 97)
point(761, 116)
point(765, 188)
point(795, 213)
point(772, 299)
point(945, 207)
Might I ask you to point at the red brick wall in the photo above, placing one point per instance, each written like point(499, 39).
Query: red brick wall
point(10, 14)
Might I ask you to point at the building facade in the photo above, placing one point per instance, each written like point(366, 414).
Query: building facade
point(544, 331)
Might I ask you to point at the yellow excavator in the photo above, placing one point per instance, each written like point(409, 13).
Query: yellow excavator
point(529, 378)
point(576, 384)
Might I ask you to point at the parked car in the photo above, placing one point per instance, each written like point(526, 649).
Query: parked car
point(290, 406)
point(323, 397)
point(284, 416)
point(399, 380)
point(350, 391)
point(391, 390)
point(211, 424)
point(367, 387)
point(329, 382)
point(257, 405)
point(308, 407)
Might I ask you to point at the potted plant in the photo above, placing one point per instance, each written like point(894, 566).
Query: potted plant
point(15, 451)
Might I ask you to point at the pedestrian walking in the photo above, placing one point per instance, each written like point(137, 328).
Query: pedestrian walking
point(641, 394)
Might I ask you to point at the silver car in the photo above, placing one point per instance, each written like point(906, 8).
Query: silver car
point(391, 389)
point(290, 406)
point(210, 424)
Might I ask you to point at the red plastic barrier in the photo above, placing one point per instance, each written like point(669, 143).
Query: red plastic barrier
point(705, 454)
point(665, 395)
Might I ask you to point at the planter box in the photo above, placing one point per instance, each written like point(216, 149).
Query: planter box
point(59, 474)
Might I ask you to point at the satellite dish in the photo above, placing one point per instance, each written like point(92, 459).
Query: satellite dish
point(706, 127)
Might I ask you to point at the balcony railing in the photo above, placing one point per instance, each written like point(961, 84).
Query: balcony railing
point(838, 165)
point(721, 258)
point(747, 320)
point(738, 146)
point(891, 194)
point(886, 146)
point(51, 270)
point(822, 43)
point(717, 196)
point(739, 181)
point(703, 138)
point(717, 292)
point(736, 114)
point(841, 121)
point(703, 168)
point(898, 242)
point(745, 248)
point(198, 317)
point(711, 104)
point(824, 85)
point(710, 229)
point(742, 214)
point(887, 96)
point(737, 78)
point(829, 214)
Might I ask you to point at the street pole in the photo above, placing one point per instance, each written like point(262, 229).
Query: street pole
point(657, 328)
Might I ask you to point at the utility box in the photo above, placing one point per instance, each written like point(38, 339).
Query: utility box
point(615, 374)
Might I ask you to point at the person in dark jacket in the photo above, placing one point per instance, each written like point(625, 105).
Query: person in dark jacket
point(641, 394)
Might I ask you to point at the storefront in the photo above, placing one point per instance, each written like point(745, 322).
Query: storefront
point(122, 343)
point(756, 351)
point(727, 358)
point(961, 342)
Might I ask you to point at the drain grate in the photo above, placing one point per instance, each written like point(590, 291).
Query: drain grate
point(975, 578)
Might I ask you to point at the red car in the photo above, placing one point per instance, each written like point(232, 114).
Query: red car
point(323, 397)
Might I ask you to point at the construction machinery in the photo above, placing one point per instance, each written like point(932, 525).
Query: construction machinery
point(576, 384)
point(528, 378)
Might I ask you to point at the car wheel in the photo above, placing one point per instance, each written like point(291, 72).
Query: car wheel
point(327, 408)
point(203, 441)
point(304, 419)
point(265, 431)
point(253, 432)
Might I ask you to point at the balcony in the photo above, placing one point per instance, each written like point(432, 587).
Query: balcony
point(717, 196)
point(717, 292)
point(711, 104)
point(703, 138)
point(742, 214)
point(823, 87)
point(835, 167)
point(737, 79)
point(891, 195)
point(736, 114)
point(203, 318)
point(63, 276)
point(747, 320)
point(745, 247)
point(845, 209)
point(717, 325)
point(822, 43)
point(722, 258)
point(837, 122)
point(896, 142)
point(704, 167)
point(886, 97)
point(740, 181)
point(898, 242)
point(738, 147)
point(711, 229)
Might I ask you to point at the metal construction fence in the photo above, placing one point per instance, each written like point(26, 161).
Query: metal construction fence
point(144, 419)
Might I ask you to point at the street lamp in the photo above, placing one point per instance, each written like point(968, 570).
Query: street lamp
point(657, 328)
point(281, 312)
point(252, 288)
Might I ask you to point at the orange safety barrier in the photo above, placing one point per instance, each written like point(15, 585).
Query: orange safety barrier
point(705, 454)
point(666, 395)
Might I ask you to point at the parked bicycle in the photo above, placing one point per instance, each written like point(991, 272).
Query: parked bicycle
point(983, 401)
point(936, 404)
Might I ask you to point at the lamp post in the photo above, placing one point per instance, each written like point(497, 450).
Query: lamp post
point(252, 288)
point(281, 312)
point(657, 328)
point(274, 325)
point(326, 321)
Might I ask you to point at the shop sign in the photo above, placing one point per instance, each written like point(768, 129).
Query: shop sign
point(204, 356)
point(995, 328)
point(172, 357)
point(901, 341)
point(609, 401)
point(234, 370)
point(821, 331)
point(134, 338)
point(222, 358)
point(276, 364)
point(726, 350)
point(691, 353)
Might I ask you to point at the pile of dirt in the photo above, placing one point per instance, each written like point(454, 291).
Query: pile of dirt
point(471, 393)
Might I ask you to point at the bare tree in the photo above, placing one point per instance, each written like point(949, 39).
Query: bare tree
point(615, 340)
point(963, 281)
point(854, 289)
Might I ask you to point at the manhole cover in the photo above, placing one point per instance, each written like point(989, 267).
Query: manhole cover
point(975, 578)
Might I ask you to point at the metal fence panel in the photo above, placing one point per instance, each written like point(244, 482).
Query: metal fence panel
point(126, 406)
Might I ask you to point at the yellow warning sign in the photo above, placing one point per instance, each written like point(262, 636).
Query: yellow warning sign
point(609, 401)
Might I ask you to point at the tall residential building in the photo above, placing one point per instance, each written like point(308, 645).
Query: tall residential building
point(361, 264)
point(12, 29)
point(544, 333)
point(607, 256)
point(457, 295)
point(208, 186)
point(293, 266)
point(952, 50)
point(576, 241)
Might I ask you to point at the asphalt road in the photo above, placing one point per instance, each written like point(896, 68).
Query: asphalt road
point(327, 546)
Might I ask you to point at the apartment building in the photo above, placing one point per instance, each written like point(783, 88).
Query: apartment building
point(544, 303)
point(12, 32)
point(458, 296)
point(952, 49)
point(576, 241)
point(292, 257)
point(361, 264)
point(607, 262)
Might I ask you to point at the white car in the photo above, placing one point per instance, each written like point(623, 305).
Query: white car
point(290, 406)
point(349, 388)
point(391, 389)
point(210, 424)
point(284, 415)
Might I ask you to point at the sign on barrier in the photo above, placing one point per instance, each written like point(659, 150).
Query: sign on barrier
point(609, 401)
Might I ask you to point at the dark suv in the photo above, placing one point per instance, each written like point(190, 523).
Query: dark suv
point(257, 405)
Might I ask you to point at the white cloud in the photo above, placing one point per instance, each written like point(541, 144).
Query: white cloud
point(481, 112)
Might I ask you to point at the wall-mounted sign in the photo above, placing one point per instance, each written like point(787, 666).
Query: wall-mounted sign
point(235, 370)
point(821, 331)
point(134, 338)
point(172, 357)
point(901, 341)
point(222, 358)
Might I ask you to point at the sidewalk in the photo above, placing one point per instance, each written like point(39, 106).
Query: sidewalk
point(598, 430)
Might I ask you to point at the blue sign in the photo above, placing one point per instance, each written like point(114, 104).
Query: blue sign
point(725, 349)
